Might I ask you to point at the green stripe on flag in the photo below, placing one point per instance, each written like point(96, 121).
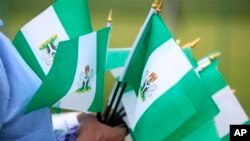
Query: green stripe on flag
point(102, 38)
point(23, 48)
point(226, 138)
point(212, 78)
point(206, 112)
point(202, 101)
point(138, 61)
point(171, 109)
point(116, 58)
point(155, 38)
point(188, 52)
point(151, 39)
point(194, 88)
point(71, 15)
point(206, 132)
point(60, 77)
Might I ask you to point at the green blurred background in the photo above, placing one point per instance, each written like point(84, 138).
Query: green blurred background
point(223, 25)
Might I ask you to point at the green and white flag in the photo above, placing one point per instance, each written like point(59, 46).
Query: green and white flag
point(206, 132)
point(38, 40)
point(231, 111)
point(116, 58)
point(206, 111)
point(165, 91)
point(77, 75)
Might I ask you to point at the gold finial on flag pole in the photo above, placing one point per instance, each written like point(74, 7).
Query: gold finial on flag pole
point(234, 91)
point(178, 41)
point(160, 6)
point(155, 4)
point(214, 56)
point(204, 65)
point(185, 46)
point(109, 19)
point(195, 42)
point(191, 44)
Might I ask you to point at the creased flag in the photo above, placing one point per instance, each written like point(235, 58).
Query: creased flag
point(165, 89)
point(205, 112)
point(77, 75)
point(38, 40)
point(231, 111)
point(206, 132)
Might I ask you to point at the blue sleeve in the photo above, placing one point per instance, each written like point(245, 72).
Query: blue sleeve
point(22, 83)
point(4, 93)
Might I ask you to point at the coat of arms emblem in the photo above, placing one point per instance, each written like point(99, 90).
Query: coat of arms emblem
point(148, 85)
point(48, 49)
point(85, 80)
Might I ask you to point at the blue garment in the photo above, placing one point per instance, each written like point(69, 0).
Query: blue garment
point(69, 135)
point(18, 84)
point(4, 92)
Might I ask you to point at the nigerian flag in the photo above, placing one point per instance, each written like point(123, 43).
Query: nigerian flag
point(231, 111)
point(165, 91)
point(38, 40)
point(77, 75)
point(206, 112)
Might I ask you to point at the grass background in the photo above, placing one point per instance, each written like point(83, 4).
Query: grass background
point(222, 25)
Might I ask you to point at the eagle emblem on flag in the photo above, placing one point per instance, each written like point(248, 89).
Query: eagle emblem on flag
point(85, 80)
point(148, 85)
point(48, 49)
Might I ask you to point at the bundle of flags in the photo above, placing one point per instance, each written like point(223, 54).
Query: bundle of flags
point(162, 92)
point(61, 48)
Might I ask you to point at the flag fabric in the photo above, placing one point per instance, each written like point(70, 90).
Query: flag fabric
point(38, 40)
point(206, 132)
point(231, 111)
point(188, 52)
point(77, 75)
point(163, 83)
point(206, 112)
point(116, 58)
point(18, 83)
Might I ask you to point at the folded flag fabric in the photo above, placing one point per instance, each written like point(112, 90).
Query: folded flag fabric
point(206, 111)
point(206, 132)
point(231, 111)
point(163, 85)
point(38, 40)
point(77, 75)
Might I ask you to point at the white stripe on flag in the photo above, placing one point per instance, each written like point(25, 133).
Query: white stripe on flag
point(203, 60)
point(170, 64)
point(86, 56)
point(42, 25)
point(129, 104)
point(231, 111)
point(116, 73)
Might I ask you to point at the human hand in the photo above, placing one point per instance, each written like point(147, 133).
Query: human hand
point(91, 129)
